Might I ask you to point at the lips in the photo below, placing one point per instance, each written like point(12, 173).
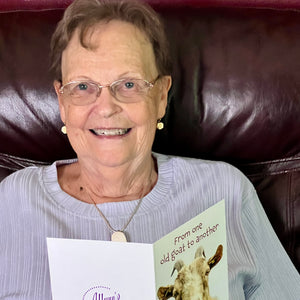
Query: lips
point(110, 132)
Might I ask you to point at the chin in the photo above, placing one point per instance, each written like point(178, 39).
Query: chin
point(112, 159)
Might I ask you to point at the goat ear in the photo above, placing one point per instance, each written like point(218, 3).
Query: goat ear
point(216, 258)
point(165, 293)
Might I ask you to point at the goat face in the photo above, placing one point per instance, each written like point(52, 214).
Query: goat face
point(192, 280)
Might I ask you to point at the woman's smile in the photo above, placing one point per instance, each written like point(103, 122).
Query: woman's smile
point(113, 132)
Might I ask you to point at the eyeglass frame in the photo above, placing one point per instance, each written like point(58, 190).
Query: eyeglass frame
point(109, 85)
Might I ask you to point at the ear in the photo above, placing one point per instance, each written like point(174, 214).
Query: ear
point(216, 258)
point(57, 86)
point(165, 85)
point(165, 293)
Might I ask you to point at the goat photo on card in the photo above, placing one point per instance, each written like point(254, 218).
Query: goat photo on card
point(196, 261)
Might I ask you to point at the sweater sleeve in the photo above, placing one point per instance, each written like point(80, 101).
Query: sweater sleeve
point(275, 275)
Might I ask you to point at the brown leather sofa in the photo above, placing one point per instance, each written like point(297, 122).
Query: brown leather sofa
point(235, 94)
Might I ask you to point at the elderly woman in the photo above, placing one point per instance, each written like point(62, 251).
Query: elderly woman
point(112, 77)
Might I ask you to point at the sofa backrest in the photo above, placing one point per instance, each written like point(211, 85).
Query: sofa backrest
point(235, 94)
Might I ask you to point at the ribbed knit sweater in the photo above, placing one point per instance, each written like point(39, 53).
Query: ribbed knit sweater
point(33, 207)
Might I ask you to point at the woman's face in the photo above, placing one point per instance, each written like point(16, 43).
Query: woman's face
point(119, 50)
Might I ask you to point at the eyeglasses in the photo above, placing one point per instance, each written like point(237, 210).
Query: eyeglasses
point(126, 90)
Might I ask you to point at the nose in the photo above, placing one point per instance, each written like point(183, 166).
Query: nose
point(106, 105)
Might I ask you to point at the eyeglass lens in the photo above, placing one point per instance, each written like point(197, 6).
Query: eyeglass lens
point(125, 90)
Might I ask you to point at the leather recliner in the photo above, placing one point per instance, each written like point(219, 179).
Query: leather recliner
point(235, 94)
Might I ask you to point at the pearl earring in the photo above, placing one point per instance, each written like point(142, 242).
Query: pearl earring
point(159, 125)
point(64, 129)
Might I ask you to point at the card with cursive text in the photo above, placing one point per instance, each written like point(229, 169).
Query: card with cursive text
point(190, 260)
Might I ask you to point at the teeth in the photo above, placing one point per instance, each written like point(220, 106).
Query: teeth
point(110, 132)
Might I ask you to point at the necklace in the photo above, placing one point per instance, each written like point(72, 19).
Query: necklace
point(118, 235)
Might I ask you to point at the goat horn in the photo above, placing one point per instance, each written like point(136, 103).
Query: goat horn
point(200, 252)
point(177, 266)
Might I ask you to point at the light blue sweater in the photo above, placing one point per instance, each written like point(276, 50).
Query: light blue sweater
point(33, 207)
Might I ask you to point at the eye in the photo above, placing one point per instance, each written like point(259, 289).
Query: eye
point(132, 85)
point(82, 86)
point(129, 89)
point(129, 84)
point(126, 87)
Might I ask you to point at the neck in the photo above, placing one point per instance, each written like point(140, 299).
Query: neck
point(122, 183)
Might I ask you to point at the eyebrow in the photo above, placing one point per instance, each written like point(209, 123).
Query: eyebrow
point(128, 74)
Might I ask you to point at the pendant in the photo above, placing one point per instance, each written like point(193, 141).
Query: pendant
point(118, 236)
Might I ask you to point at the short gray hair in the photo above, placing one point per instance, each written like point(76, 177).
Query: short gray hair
point(84, 14)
